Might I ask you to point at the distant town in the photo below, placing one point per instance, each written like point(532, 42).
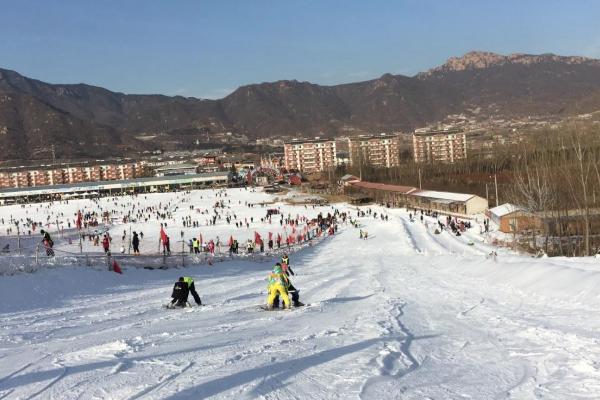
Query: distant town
point(456, 138)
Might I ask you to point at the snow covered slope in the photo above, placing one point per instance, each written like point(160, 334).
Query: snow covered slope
point(406, 314)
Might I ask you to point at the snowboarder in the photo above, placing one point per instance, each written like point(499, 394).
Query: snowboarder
point(181, 289)
point(277, 287)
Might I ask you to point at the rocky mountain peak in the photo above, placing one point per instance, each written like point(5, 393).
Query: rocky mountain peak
point(482, 59)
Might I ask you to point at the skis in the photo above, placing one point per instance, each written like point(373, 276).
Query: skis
point(265, 308)
point(171, 306)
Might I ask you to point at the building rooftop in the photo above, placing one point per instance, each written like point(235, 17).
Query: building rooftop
point(349, 177)
point(384, 186)
point(315, 140)
point(374, 136)
point(432, 194)
point(176, 166)
point(437, 132)
point(505, 209)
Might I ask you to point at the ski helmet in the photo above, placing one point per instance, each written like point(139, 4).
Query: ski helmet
point(277, 268)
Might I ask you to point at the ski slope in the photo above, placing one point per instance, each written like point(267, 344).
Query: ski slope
point(406, 314)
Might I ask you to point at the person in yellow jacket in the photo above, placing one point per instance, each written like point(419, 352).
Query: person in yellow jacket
point(278, 284)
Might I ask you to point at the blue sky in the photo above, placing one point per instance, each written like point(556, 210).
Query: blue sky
point(208, 48)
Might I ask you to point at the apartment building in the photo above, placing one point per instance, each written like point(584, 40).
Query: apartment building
point(381, 150)
point(311, 155)
point(439, 146)
point(20, 177)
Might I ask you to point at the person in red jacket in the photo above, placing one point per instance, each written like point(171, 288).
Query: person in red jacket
point(106, 244)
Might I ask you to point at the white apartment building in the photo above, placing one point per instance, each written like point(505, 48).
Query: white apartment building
point(439, 146)
point(312, 155)
point(376, 150)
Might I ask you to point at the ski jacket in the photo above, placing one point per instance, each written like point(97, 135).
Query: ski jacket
point(188, 280)
point(48, 239)
point(278, 279)
point(180, 291)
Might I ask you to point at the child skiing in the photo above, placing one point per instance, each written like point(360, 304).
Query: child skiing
point(181, 289)
point(287, 270)
point(277, 287)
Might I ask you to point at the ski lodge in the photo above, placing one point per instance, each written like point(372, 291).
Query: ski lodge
point(103, 188)
point(459, 204)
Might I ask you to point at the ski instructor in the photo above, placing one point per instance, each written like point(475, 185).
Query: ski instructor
point(181, 289)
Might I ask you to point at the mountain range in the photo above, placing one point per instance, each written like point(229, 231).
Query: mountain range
point(88, 121)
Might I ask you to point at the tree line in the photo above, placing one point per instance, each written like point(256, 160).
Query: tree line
point(553, 174)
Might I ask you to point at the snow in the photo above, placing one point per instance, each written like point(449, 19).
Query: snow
point(443, 195)
point(405, 314)
point(504, 209)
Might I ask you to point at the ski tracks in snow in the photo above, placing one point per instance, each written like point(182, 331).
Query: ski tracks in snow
point(395, 359)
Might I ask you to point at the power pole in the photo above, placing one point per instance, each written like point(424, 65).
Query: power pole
point(359, 154)
point(420, 179)
point(18, 236)
point(496, 185)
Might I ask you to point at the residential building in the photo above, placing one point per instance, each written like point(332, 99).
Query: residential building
point(310, 155)
point(138, 185)
point(381, 151)
point(19, 177)
point(5, 180)
point(439, 146)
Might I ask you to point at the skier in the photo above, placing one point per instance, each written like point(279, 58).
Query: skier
point(135, 242)
point(181, 289)
point(48, 243)
point(106, 244)
point(277, 287)
point(167, 246)
point(287, 270)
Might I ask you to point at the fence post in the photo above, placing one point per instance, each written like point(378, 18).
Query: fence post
point(182, 250)
point(18, 236)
